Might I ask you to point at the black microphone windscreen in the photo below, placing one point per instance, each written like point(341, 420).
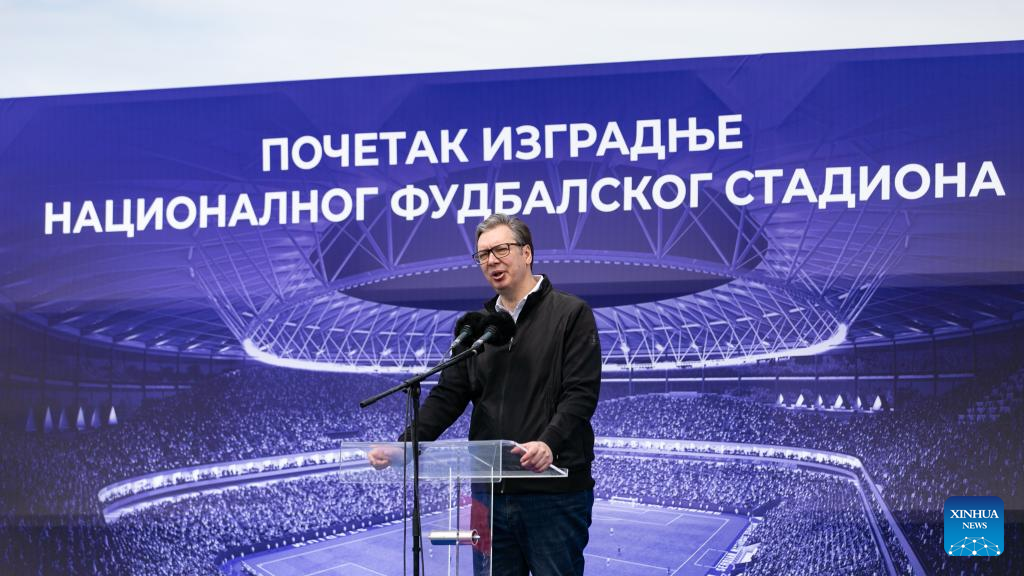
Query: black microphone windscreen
point(504, 325)
point(474, 320)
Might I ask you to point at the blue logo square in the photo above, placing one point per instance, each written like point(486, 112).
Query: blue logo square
point(973, 526)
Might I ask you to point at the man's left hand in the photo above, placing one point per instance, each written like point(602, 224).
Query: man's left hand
point(536, 456)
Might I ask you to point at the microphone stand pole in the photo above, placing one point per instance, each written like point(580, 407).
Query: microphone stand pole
point(412, 388)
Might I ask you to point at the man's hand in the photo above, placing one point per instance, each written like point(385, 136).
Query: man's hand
point(536, 456)
point(382, 456)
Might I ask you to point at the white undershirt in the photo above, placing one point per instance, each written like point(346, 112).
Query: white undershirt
point(519, 305)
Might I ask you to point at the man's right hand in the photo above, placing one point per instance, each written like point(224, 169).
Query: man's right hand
point(381, 457)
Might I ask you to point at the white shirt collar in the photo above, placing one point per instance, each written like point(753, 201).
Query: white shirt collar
point(519, 305)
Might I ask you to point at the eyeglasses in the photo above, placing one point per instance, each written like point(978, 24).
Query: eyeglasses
point(499, 251)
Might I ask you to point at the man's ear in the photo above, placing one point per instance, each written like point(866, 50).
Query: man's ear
point(529, 255)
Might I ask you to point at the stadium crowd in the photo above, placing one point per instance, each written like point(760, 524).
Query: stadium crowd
point(187, 537)
point(906, 452)
point(50, 521)
point(821, 510)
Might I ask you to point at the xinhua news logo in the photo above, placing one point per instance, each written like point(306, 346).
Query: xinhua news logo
point(973, 526)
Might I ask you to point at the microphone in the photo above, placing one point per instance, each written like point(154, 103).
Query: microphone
point(499, 328)
point(468, 326)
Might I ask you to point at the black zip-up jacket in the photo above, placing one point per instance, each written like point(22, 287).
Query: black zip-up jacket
point(543, 385)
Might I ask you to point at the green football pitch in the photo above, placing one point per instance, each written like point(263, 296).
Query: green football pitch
point(625, 540)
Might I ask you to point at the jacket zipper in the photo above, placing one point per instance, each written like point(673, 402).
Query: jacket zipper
point(501, 410)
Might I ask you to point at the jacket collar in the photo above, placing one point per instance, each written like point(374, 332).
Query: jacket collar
point(531, 299)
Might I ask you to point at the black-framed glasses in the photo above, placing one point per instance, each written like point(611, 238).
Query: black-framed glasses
point(499, 251)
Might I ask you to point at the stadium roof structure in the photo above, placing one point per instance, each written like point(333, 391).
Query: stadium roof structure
point(748, 283)
point(715, 284)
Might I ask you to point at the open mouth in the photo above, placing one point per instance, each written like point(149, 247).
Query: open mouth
point(498, 275)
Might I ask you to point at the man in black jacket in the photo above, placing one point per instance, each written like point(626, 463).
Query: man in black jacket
point(539, 390)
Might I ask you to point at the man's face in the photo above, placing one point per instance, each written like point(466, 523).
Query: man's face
point(507, 275)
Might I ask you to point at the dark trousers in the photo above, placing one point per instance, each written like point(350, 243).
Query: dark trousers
point(539, 534)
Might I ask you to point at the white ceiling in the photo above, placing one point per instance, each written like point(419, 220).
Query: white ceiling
point(70, 46)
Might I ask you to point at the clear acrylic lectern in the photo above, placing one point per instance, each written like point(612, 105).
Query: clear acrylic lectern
point(457, 481)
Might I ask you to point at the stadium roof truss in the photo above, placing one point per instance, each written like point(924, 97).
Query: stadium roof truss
point(789, 280)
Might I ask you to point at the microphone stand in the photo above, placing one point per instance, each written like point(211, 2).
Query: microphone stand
point(412, 388)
